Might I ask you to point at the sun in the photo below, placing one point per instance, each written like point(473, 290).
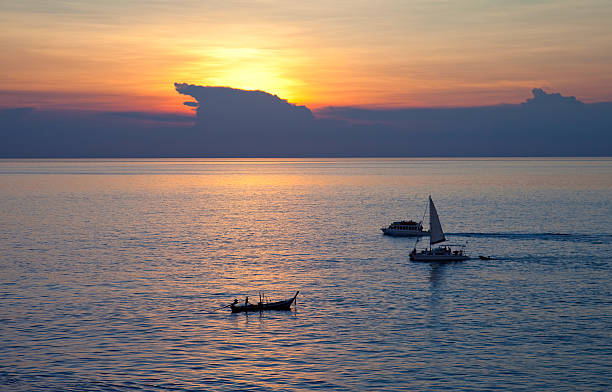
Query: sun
point(257, 77)
point(248, 69)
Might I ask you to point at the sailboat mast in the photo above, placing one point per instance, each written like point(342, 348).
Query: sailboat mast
point(424, 213)
point(429, 204)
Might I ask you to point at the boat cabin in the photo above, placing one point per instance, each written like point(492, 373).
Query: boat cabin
point(406, 225)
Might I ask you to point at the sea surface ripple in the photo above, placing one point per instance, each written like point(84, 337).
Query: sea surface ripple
point(112, 273)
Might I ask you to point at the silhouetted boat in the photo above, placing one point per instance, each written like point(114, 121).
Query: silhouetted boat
point(405, 229)
point(436, 235)
point(485, 257)
point(261, 306)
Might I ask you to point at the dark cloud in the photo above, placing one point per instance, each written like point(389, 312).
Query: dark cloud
point(62, 133)
point(153, 117)
point(554, 100)
point(224, 103)
point(545, 125)
point(231, 122)
point(250, 123)
point(14, 113)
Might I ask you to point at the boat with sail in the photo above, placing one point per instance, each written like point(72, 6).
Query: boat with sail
point(261, 306)
point(436, 236)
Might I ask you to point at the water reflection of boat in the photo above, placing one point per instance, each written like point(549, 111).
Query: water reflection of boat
point(436, 235)
point(261, 306)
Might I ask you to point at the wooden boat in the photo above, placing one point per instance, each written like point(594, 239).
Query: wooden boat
point(261, 306)
point(485, 257)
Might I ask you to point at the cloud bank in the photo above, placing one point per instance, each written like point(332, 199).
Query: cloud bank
point(237, 123)
point(248, 123)
point(555, 100)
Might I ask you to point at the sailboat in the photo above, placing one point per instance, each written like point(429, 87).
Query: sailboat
point(436, 236)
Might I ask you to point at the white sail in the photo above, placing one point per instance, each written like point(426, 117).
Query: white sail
point(435, 228)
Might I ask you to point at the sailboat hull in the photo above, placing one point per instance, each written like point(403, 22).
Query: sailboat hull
point(438, 254)
point(438, 258)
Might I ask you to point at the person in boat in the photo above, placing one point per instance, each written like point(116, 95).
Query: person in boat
point(246, 301)
point(235, 301)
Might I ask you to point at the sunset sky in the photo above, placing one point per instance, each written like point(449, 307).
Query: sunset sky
point(126, 55)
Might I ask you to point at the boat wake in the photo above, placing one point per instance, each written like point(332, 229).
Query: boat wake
point(559, 237)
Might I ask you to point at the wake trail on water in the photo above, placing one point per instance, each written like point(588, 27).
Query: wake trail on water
point(561, 237)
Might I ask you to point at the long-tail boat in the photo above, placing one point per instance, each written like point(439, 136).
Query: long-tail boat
point(261, 306)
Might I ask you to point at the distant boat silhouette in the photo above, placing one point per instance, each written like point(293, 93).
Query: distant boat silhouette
point(436, 236)
point(261, 306)
point(405, 229)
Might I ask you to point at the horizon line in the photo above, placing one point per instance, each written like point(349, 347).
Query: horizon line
point(314, 157)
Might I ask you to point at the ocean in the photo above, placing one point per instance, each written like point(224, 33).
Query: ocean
point(112, 273)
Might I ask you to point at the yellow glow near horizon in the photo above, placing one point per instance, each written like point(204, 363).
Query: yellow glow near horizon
point(251, 69)
point(394, 53)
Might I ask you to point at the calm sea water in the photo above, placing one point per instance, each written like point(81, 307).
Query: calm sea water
point(110, 271)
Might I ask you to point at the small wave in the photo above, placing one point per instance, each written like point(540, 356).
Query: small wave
point(563, 237)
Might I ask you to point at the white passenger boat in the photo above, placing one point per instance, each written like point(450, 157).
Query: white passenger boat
point(405, 229)
point(436, 236)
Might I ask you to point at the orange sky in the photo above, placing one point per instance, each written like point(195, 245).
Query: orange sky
point(127, 55)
